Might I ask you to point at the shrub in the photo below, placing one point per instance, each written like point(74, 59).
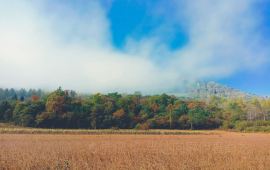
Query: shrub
point(259, 125)
point(143, 126)
point(227, 125)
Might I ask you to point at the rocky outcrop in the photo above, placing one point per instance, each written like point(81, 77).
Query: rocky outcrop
point(207, 89)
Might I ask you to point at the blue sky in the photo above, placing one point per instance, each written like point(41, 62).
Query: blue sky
point(136, 19)
point(135, 45)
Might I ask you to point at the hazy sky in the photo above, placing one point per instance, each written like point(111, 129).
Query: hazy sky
point(134, 45)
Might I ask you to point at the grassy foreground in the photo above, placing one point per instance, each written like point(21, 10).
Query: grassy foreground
point(227, 150)
point(6, 128)
point(12, 129)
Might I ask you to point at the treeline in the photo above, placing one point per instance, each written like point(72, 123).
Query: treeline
point(66, 109)
point(22, 94)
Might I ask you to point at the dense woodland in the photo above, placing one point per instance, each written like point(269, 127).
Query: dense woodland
point(66, 109)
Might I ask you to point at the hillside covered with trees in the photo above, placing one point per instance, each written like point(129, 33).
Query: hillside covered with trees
point(66, 109)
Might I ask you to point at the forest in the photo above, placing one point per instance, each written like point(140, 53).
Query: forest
point(67, 109)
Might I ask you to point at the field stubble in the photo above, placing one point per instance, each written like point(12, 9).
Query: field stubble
point(222, 150)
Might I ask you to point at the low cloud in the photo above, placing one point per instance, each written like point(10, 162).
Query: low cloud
point(45, 47)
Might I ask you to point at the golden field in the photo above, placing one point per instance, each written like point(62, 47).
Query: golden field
point(214, 150)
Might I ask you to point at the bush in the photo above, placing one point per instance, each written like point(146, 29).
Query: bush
point(259, 125)
point(242, 125)
point(262, 123)
point(227, 125)
point(143, 126)
point(258, 129)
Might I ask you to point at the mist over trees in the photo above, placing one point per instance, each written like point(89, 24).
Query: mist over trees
point(67, 109)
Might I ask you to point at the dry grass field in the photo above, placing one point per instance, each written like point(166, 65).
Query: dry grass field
point(220, 150)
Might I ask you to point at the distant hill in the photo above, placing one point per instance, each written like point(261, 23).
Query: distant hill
point(206, 89)
point(199, 89)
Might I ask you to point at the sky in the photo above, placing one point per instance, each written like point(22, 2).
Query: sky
point(151, 46)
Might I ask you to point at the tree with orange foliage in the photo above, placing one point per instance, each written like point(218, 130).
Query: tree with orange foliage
point(119, 113)
point(34, 98)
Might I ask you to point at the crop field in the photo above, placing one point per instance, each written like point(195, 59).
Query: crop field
point(219, 150)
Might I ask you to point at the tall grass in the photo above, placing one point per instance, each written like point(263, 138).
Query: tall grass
point(18, 130)
point(223, 151)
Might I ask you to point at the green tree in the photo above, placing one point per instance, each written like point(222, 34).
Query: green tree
point(198, 117)
point(22, 114)
point(58, 102)
point(6, 110)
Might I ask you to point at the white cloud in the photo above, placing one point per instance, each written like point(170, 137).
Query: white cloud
point(64, 47)
point(224, 38)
